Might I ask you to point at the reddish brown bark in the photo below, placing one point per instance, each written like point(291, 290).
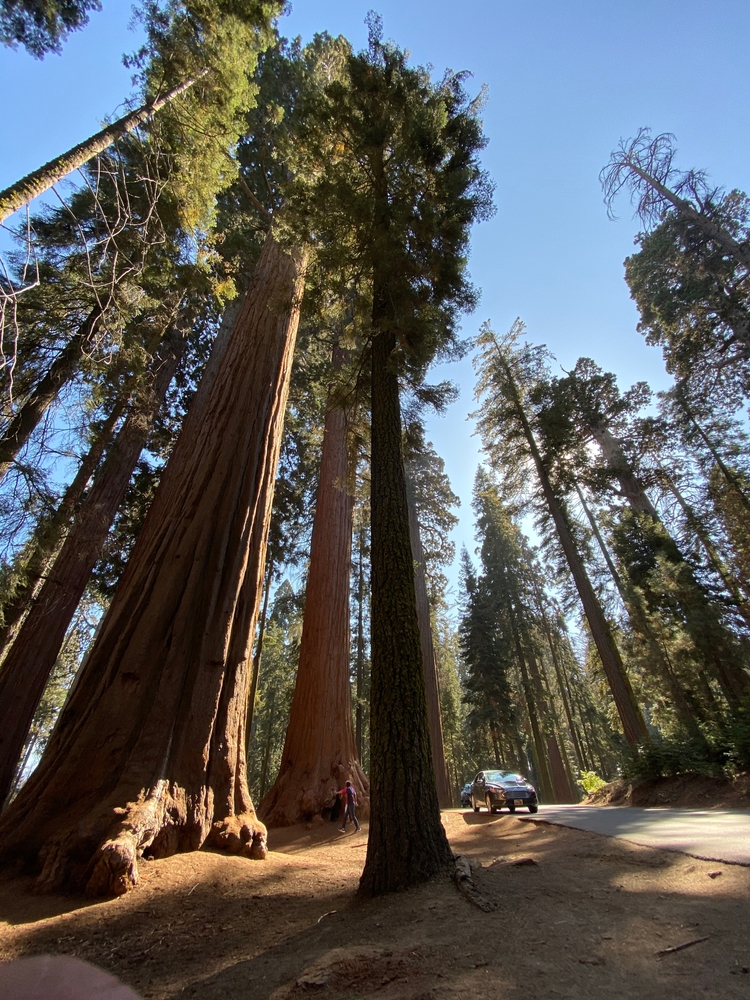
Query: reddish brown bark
point(319, 750)
point(560, 778)
point(29, 661)
point(149, 751)
point(429, 663)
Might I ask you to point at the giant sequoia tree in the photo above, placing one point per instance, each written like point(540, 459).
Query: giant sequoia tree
point(319, 751)
point(150, 749)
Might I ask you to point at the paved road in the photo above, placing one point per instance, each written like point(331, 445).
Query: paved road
point(712, 834)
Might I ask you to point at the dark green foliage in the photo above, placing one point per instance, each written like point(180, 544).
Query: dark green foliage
point(487, 646)
point(694, 301)
point(42, 26)
point(723, 753)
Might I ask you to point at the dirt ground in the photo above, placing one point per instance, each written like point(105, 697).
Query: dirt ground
point(586, 920)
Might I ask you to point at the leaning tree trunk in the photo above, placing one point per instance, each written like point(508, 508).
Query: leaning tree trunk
point(700, 617)
point(637, 613)
point(41, 180)
point(407, 843)
point(320, 752)
point(39, 551)
point(30, 660)
point(62, 369)
point(631, 718)
point(149, 750)
point(429, 662)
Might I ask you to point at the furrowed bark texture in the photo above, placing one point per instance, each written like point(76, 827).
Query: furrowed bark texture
point(29, 662)
point(407, 842)
point(319, 750)
point(45, 391)
point(429, 663)
point(41, 180)
point(149, 750)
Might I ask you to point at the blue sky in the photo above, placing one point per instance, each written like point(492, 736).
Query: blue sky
point(566, 78)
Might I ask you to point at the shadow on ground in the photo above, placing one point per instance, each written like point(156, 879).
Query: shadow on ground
point(584, 916)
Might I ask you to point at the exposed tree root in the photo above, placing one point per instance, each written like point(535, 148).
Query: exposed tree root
point(463, 878)
point(111, 868)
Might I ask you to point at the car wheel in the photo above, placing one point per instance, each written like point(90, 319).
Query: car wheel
point(533, 809)
point(511, 807)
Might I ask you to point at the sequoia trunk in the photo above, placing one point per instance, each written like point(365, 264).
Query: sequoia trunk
point(29, 661)
point(149, 751)
point(319, 750)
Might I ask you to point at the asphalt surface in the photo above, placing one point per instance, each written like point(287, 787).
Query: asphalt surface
point(710, 834)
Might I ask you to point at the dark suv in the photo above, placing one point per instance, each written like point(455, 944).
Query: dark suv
point(496, 789)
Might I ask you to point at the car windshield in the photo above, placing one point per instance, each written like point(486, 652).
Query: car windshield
point(505, 776)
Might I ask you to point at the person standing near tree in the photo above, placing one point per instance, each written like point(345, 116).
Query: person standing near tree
point(349, 800)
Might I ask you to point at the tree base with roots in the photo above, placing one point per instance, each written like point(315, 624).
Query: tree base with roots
point(149, 751)
point(299, 795)
point(85, 860)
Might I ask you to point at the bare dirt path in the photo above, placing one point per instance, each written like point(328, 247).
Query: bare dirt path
point(587, 919)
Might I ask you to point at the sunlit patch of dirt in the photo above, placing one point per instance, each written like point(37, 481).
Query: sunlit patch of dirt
point(586, 919)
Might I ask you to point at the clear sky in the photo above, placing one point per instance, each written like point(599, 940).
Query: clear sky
point(567, 79)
